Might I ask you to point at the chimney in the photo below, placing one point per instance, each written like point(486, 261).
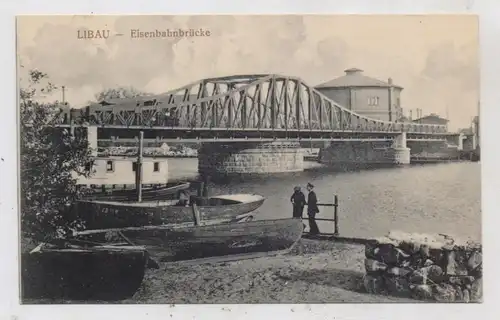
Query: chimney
point(353, 71)
point(411, 117)
point(389, 81)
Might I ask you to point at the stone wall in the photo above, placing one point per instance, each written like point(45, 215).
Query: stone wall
point(424, 267)
point(248, 158)
point(364, 154)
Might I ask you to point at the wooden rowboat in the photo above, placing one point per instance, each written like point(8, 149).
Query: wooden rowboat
point(76, 272)
point(164, 192)
point(213, 210)
point(234, 240)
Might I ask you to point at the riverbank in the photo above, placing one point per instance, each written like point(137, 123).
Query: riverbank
point(313, 272)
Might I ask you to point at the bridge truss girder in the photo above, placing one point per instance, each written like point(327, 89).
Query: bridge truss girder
point(248, 102)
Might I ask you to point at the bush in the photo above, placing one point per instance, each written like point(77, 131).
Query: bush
point(50, 161)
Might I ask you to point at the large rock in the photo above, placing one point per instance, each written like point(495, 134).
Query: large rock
point(399, 272)
point(421, 292)
point(474, 261)
point(371, 249)
point(444, 292)
point(476, 291)
point(374, 266)
point(466, 295)
point(461, 281)
point(391, 255)
point(374, 284)
point(420, 239)
point(397, 286)
point(433, 273)
point(456, 263)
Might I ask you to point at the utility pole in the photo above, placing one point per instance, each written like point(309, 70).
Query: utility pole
point(63, 95)
point(138, 167)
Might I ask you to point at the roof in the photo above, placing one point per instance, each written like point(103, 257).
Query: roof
point(354, 78)
point(431, 116)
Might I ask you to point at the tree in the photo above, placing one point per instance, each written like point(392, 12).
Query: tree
point(119, 93)
point(51, 161)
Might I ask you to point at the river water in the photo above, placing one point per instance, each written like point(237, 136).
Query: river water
point(434, 198)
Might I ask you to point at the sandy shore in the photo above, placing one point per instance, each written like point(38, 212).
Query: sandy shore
point(313, 272)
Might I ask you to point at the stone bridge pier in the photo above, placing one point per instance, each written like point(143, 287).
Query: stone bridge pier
point(365, 154)
point(229, 158)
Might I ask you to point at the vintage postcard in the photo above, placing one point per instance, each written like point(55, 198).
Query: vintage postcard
point(249, 159)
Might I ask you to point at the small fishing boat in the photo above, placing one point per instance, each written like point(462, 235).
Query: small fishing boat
point(102, 214)
point(82, 272)
point(234, 240)
point(164, 192)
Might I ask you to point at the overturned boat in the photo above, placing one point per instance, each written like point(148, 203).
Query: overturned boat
point(229, 241)
point(102, 214)
point(82, 272)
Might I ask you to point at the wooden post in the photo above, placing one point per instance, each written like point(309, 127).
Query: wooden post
point(205, 186)
point(199, 189)
point(335, 215)
point(196, 214)
point(138, 169)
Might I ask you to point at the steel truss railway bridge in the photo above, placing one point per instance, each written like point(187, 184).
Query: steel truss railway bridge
point(248, 115)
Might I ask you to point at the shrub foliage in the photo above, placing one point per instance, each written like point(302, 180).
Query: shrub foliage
point(51, 159)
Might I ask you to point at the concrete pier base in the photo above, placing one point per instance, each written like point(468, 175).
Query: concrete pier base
point(359, 154)
point(401, 155)
point(353, 155)
point(216, 158)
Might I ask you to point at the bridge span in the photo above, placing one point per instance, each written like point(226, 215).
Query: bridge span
point(253, 123)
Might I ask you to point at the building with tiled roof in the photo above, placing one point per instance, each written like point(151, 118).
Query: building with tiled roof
point(365, 95)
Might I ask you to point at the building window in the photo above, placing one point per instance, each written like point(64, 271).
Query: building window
point(373, 101)
point(134, 166)
point(110, 166)
point(156, 167)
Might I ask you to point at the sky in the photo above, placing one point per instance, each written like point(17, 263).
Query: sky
point(435, 58)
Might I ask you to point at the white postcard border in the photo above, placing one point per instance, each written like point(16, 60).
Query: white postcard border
point(489, 11)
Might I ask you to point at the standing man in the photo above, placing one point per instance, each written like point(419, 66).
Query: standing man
point(298, 200)
point(312, 210)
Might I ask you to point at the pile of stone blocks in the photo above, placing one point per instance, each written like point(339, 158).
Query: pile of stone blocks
point(424, 267)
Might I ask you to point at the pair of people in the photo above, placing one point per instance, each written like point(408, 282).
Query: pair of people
point(298, 200)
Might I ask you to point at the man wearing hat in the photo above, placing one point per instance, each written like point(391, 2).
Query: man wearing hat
point(298, 200)
point(312, 209)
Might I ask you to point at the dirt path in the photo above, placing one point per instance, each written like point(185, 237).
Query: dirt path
point(314, 272)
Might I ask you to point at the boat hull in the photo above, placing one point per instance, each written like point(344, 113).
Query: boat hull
point(105, 214)
point(188, 243)
point(87, 275)
point(168, 191)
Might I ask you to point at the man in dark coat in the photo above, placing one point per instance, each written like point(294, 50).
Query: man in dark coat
point(298, 200)
point(312, 209)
